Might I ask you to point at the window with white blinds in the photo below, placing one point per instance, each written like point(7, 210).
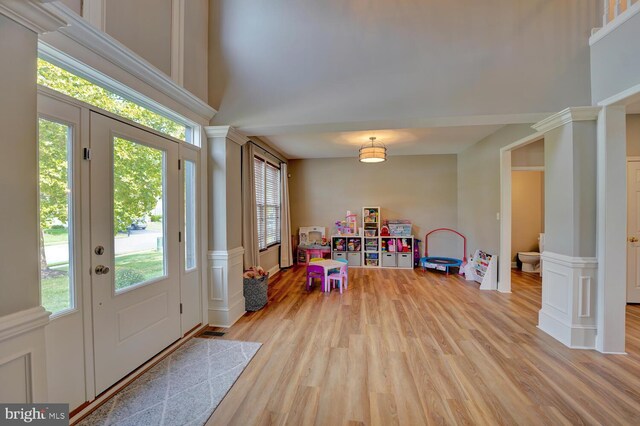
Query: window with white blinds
point(267, 180)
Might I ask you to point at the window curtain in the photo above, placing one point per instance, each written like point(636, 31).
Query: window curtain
point(249, 219)
point(286, 255)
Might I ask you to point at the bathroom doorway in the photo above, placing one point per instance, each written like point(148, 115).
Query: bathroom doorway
point(527, 207)
point(525, 155)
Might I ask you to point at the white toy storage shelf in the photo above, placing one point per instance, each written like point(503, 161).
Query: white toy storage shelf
point(483, 268)
point(370, 249)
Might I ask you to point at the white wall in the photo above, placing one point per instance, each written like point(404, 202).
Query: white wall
point(615, 60)
point(420, 188)
point(19, 255)
point(300, 63)
point(479, 188)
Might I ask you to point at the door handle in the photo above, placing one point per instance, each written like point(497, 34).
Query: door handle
point(101, 270)
point(633, 239)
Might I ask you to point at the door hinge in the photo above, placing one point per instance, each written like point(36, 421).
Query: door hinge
point(181, 308)
point(179, 164)
point(179, 236)
point(86, 153)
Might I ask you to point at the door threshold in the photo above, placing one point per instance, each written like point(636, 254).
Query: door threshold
point(88, 407)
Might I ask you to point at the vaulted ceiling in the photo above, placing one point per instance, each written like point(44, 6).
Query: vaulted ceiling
point(308, 75)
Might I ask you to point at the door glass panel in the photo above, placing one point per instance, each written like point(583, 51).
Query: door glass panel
point(138, 213)
point(56, 230)
point(190, 215)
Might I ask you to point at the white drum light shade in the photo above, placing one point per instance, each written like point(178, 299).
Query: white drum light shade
point(375, 152)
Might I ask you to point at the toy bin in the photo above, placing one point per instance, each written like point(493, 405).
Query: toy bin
point(400, 229)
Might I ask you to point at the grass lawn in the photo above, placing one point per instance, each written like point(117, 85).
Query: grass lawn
point(55, 290)
point(59, 236)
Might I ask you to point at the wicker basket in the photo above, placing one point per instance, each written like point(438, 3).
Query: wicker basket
point(255, 292)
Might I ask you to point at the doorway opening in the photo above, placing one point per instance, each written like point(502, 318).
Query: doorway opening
point(533, 156)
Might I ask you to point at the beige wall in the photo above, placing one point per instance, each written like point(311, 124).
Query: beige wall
point(75, 5)
point(419, 188)
point(144, 26)
point(19, 268)
point(270, 258)
point(531, 155)
point(527, 210)
point(479, 188)
point(196, 21)
point(633, 135)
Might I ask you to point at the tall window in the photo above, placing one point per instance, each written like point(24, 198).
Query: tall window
point(56, 227)
point(267, 180)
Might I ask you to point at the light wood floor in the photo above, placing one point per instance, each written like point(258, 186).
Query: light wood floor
point(411, 348)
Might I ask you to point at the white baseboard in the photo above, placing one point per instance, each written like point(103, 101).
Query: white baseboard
point(274, 270)
point(514, 265)
point(575, 337)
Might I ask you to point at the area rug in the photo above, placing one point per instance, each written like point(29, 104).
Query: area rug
point(183, 389)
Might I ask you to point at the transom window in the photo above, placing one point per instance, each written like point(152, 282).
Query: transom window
point(267, 182)
point(63, 81)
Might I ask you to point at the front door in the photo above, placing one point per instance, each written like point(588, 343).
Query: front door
point(633, 231)
point(134, 246)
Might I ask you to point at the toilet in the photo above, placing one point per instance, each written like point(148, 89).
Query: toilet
point(531, 259)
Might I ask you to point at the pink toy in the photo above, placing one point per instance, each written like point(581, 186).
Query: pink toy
point(391, 246)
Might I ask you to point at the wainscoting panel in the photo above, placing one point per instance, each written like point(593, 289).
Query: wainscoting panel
point(23, 375)
point(226, 298)
point(568, 299)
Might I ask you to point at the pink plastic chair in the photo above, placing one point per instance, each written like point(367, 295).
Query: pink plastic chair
point(315, 271)
point(341, 276)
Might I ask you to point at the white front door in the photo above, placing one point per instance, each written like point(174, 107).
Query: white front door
point(135, 271)
point(633, 231)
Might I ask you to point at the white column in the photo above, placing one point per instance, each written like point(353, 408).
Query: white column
point(23, 374)
point(225, 287)
point(569, 278)
point(612, 229)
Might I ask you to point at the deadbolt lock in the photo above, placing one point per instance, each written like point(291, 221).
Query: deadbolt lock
point(99, 250)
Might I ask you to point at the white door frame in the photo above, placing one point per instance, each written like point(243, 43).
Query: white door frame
point(504, 268)
point(632, 159)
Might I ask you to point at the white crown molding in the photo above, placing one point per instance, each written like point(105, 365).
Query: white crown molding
point(105, 46)
point(569, 261)
point(565, 116)
point(23, 321)
point(225, 254)
point(615, 23)
point(32, 14)
point(226, 132)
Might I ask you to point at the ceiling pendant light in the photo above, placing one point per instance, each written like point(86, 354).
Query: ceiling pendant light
point(375, 152)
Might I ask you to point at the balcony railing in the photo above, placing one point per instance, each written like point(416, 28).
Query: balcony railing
point(614, 8)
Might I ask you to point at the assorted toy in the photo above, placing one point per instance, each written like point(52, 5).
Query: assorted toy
point(348, 226)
